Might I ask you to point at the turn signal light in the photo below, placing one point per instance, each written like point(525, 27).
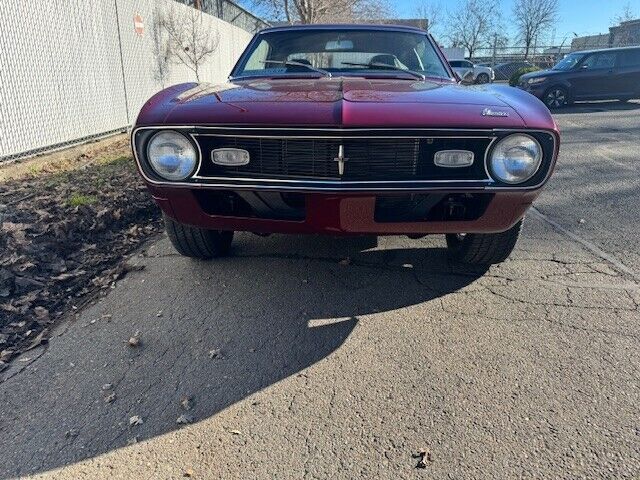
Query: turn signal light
point(453, 158)
point(230, 157)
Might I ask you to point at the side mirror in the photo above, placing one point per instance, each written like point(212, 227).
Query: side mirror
point(467, 79)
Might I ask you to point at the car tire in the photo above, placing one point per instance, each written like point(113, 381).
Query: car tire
point(482, 78)
point(556, 97)
point(198, 242)
point(483, 248)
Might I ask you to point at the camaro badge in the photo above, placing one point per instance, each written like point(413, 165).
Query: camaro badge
point(487, 112)
point(341, 159)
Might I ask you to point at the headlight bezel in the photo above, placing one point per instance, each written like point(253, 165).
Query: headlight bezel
point(499, 180)
point(182, 136)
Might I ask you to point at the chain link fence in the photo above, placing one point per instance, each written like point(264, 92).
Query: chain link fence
point(508, 60)
point(72, 70)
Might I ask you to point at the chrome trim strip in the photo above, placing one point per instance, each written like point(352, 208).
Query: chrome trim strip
point(346, 186)
point(328, 129)
point(337, 182)
point(334, 137)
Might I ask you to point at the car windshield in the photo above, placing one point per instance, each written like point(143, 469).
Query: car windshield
point(568, 62)
point(341, 52)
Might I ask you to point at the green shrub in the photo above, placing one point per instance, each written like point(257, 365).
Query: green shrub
point(515, 78)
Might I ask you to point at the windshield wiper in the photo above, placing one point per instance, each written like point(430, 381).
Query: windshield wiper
point(417, 75)
point(293, 63)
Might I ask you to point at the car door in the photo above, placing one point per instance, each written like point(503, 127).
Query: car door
point(468, 67)
point(629, 72)
point(595, 77)
point(461, 67)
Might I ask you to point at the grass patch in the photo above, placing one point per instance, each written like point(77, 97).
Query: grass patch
point(78, 200)
point(81, 156)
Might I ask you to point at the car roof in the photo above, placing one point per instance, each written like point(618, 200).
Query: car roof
point(344, 26)
point(614, 49)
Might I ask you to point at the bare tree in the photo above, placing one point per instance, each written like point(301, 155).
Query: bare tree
point(318, 11)
point(623, 34)
point(625, 15)
point(472, 24)
point(430, 12)
point(532, 19)
point(189, 41)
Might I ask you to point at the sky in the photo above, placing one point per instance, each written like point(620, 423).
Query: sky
point(584, 17)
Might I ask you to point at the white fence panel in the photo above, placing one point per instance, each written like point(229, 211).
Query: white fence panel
point(74, 69)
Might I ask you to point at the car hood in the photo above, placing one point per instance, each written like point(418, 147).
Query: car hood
point(541, 73)
point(339, 102)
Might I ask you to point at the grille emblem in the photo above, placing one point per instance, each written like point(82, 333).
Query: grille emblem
point(341, 159)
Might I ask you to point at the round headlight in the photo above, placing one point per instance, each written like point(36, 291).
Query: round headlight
point(515, 159)
point(172, 155)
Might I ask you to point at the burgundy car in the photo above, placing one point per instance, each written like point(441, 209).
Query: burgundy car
point(345, 130)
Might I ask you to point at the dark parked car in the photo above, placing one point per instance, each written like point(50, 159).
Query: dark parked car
point(590, 75)
point(345, 130)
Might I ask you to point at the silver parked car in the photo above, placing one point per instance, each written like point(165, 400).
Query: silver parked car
point(480, 74)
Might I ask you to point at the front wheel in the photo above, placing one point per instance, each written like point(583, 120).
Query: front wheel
point(483, 78)
point(198, 242)
point(483, 248)
point(556, 97)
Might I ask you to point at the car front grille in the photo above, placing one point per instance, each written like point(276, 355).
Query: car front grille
point(368, 158)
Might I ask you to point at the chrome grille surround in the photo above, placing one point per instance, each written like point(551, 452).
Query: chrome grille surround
point(401, 155)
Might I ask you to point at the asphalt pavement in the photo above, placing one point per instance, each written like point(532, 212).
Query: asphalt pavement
point(286, 361)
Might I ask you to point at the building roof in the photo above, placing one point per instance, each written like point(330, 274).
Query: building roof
point(612, 49)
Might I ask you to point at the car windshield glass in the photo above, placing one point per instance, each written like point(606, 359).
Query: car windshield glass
point(568, 62)
point(342, 52)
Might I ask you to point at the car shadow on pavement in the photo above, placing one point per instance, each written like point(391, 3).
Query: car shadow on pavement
point(212, 332)
point(594, 107)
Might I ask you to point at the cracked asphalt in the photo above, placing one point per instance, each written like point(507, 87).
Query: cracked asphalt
point(298, 366)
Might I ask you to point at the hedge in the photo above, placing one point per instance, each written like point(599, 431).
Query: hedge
point(515, 78)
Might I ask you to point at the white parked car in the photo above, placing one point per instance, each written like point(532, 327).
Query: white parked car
point(480, 74)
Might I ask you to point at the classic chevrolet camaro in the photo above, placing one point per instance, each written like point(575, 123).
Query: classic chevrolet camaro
point(345, 130)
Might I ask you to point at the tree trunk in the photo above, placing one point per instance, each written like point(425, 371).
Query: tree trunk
point(287, 13)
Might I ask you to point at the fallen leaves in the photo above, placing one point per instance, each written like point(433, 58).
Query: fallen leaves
point(184, 419)
point(135, 420)
point(215, 353)
point(425, 458)
point(51, 253)
point(186, 403)
point(41, 313)
point(135, 341)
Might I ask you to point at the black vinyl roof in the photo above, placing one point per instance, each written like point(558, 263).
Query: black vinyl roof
point(344, 26)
